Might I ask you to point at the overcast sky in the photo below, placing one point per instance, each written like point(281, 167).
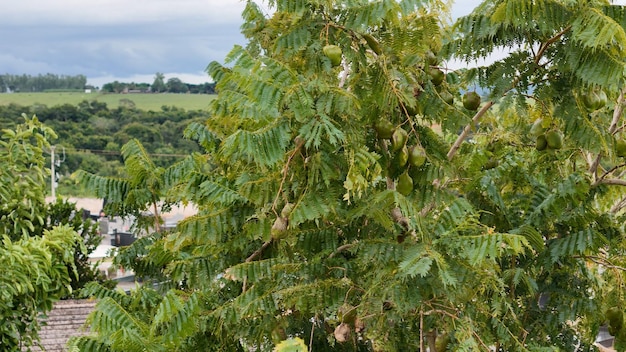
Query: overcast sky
point(123, 40)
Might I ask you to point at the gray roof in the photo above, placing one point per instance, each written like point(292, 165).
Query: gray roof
point(66, 319)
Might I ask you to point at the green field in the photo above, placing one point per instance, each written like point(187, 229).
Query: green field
point(152, 102)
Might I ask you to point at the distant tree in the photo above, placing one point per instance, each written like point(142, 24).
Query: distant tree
point(175, 85)
point(158, 85)
point(113, 87)
point(92, 107)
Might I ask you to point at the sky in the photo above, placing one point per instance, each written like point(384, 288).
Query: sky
point(128, 41)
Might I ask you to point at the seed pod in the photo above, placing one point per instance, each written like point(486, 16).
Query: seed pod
point(372, 43)
point(417, 156)
point(620, 148)
point(541, 143)
point(279, 229)
point(436, 76)
point(333, 52)
point(447, 97)
point(405, 184)
point(398, 139)
point(342, 332)
point(287, 209)
point(471, 101)
point(402, 157)
point(554, 139)
point(384, 129)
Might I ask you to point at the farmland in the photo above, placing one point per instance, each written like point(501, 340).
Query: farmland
point(148, 102)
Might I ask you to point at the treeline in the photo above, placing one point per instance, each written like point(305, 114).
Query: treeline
point(53, 82)
point(41, 83)
point(90, 135)
point(172, 85)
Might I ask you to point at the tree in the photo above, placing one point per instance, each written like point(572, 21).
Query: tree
point(158, 85)
point(64, 213)
point(37, 262)
point(138, 192)
point(175, 85)
point(338, 202)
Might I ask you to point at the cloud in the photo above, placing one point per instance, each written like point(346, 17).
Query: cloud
point(116, 12)
point(117, 38)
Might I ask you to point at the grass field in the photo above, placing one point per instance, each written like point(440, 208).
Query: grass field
point(152, 102)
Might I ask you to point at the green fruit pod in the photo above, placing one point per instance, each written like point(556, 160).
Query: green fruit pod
point(431, 58)
point(398, 139)
point(417, 156)
point(447, 97)
point(620, 148)
point(384, 129)
point(436, 76)
point(541, 143)
point(471, 101)
point(334, 53)
point(554, 139)
point(405, 184)
point(537, 128)
point(402, 157)
point(372, 43)
point(594, 99)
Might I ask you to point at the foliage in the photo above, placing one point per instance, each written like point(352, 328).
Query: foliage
point(90, 136)
point(37, 258)
point(22, 175)
point(35, 276)
point(63, 212)
point(173, 85)
point(495, 245)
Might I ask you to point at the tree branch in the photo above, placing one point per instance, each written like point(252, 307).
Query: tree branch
point(617, 114)
point(611, 181)
point(549, 42)
point(481, 112)
point(258, 251)
point(299, 143)
point(606, 173)
point(601, 261)
point(619, 205)
point(340, 249)
point(457, 144)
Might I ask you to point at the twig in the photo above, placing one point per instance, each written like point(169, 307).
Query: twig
point(550, 41)
point(312, 330)
point(606, 173)
point(457, 144)
point(340, 249)
point(612, 181)
point(602, 261)
point(422, 330)
point(618, 205)
point(299, 144)
point(258, 251)
point(617, 114)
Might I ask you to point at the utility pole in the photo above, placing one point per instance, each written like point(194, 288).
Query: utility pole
point(52, 172)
